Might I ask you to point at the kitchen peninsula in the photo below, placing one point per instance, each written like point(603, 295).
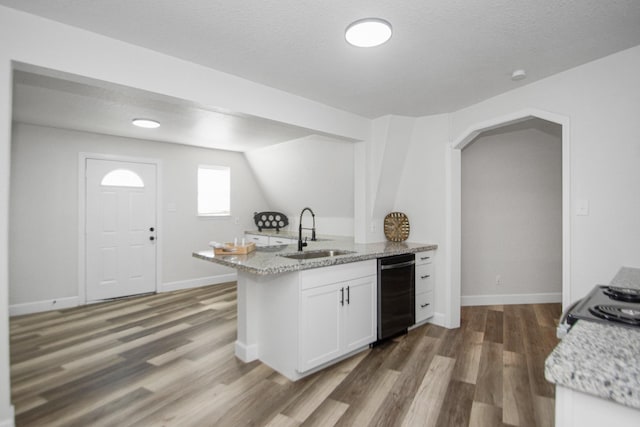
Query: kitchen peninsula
point(300, 315)
point(596, 369)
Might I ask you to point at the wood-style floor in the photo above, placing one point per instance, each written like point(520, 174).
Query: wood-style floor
point(167, 360)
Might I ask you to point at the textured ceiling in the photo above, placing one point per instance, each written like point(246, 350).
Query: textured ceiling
point(444, 54)
point(105, 108)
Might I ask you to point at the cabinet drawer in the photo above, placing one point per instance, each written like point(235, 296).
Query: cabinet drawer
point(281, 241)
point(337, 273)
point(257, 239)
point(424, 278)
point(424, 257)
point(424, 306)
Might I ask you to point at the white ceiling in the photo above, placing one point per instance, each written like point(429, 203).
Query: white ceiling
point(444, 54)
point(100, 107)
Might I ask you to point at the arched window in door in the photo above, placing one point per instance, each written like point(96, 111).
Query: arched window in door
point(122, 178)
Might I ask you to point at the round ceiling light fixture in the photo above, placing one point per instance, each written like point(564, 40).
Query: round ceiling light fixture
point(518, 75)
point(145, 123)
point(368, 32)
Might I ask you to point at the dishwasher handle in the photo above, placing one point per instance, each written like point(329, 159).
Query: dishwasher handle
point(399, 265)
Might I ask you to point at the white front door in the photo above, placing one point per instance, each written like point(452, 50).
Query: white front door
point(120, 229)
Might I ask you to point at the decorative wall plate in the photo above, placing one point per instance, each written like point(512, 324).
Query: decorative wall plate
point(270, 220)
point(396, 227)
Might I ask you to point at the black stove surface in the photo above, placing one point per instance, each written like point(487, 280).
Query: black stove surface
point(610, 305)
point(622, 294)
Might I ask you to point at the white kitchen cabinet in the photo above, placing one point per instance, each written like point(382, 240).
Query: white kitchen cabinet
point(577, 409)
point(424, 257)
point(424, 278)
point(424, 306)
point(258, 239)
point(360, 326)
point(424, 286)
point(262, 240)
point(320, 325)
point(281, 241)
point(336, 319)
point(299, 322)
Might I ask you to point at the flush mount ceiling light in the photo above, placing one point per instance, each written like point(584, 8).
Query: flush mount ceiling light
point(368, 32)
point(518, 75)
point(145, 123)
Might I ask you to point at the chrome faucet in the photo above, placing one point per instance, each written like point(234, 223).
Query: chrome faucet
point(302, 244)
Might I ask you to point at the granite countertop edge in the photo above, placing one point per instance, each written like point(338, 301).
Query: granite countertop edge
point(598, 359)
point(266, 261)
point(601, 359)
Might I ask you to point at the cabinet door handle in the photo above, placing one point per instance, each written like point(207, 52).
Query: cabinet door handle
point(424, 258)
point(425, 277)
point(341, 296)
point(348, 295)
point(424, 305)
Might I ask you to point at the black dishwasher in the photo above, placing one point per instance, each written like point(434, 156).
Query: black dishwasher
point(396, 295)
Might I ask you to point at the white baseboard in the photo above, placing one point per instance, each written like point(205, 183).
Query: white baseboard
point(68, 302)
point(438, 319)
point(39, 306)
point(246, 353)
point(196, 283)
point(9, 419)
point(511, 299)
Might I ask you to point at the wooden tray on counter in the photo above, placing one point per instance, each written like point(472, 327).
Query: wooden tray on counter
point(229, 249)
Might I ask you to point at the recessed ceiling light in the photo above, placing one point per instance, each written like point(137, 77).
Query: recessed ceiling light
point(145, 123)
point(518, 75)
point(368, 32)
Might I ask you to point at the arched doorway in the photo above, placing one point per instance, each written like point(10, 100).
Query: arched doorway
point(454, 224)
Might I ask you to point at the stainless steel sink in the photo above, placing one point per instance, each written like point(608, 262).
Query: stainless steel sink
point(325, 253)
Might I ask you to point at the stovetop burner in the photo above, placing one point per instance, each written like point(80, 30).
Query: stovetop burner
point(622, 294)
point(607, 304)
point(617, 313)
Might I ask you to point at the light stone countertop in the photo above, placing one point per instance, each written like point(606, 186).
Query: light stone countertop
point(627, 277)
point(601, 359)
point(267, 260)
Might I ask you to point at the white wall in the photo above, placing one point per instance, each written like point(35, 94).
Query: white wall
point(602, 101)
point(391, 140)
point(421, 195)
point(512, 214)
point(313, 171)
point(44, 209)
point(380, 164)
point(6, 409)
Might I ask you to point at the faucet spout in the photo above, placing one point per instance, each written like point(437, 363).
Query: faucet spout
point(302, 244)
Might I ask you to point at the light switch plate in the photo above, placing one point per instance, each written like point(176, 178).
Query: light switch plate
point(582, 207)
